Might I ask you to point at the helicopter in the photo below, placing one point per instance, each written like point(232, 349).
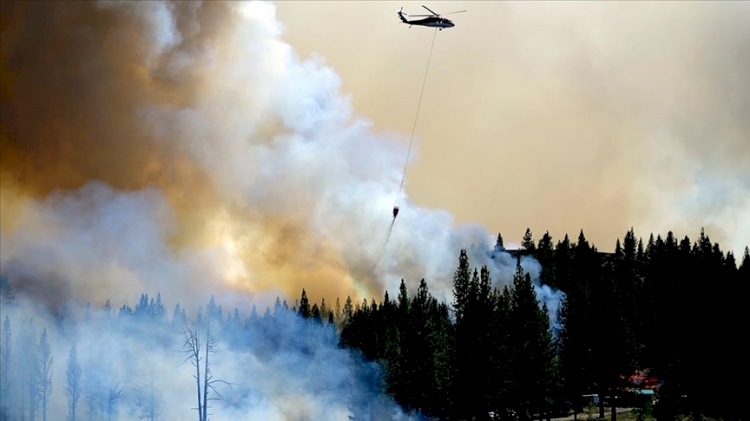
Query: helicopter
point(434, 20)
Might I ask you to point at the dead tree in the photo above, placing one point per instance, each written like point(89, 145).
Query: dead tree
point(192, 347)
point(200, 343)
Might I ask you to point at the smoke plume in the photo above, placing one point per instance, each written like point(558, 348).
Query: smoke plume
point(599, 116)
point(182, 147)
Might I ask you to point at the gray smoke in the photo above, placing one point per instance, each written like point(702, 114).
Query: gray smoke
point(184, 149)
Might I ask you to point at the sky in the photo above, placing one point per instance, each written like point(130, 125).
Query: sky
point(258, 148)
point(557, 116)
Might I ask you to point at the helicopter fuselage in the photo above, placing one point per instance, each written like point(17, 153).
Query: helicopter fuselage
point(433, 22)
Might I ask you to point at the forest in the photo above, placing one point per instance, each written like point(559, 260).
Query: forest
point(661, 314)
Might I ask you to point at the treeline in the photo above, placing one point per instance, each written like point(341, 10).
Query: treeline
point(666, 307)
point(97, 351)
point(669, 307)
point(91, 386)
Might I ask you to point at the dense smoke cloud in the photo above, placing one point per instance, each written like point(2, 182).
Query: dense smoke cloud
point(183, 147)
point(572, 115)
point(133, 366)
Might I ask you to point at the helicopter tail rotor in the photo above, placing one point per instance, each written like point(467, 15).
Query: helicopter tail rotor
point(401, 15)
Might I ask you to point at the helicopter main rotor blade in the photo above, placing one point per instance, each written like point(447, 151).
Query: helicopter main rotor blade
point(428, 9)
point(460, 11)
point(420, 16)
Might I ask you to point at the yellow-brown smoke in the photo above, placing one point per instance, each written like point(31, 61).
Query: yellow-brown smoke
point(76, 78)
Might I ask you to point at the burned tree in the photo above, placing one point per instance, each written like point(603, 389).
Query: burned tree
point(200, 343)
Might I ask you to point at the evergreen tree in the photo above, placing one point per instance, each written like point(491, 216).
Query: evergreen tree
point(629, 245)
point(615, 352)
point(563, 257)
point(277, 308)
point(639, 255)
point(28, 365)
point(324, 310)
point(315, 314)
point(6, 291)
point(348, 309)
point(304, 306)
point(44, 373)
point(573, 344)
point(499, 246)
point(461, 282)
point(73, 382)
point(530, 354)
point(403, 300)
point(500, 357)
point(464, 333)
point(545, 254)
point(744, 269)
point(5, 365)
point(527, 243)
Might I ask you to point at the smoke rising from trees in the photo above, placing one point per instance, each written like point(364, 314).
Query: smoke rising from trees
point(180, 147)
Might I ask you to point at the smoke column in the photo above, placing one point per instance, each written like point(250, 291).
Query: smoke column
point(183, 147)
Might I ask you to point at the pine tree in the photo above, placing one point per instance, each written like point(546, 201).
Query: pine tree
point(461, 282)
point(44, 373)
point(464, 335)
point(278, 308)
point(744, 269)
point(315, 314)
point(403, 299)
point(324, 310)
point(348, 309)
point(6, 291)
point(5, 365)
point(640, 254)
point(73, 382)
point(29, 367)
point(530, 355)
point(563, 256)
point(499, 246)
point(545, 254)
point(304, 306)
point(527, 243)
point(629, 245)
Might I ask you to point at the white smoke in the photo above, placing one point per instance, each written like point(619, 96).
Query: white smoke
point(278, 371)
point(276, 139)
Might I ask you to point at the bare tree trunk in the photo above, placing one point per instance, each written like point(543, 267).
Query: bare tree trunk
point(198, 383)
point(191, 347)
point(206, 373)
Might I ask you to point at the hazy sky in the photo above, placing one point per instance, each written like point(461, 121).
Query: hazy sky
point(177, 147)
point(559, 115)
